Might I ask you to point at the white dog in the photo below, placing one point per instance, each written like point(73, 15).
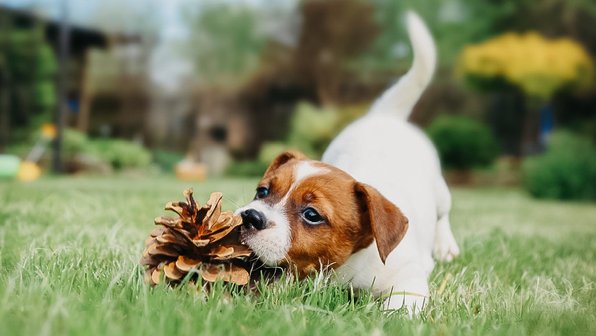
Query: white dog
point(375, 209)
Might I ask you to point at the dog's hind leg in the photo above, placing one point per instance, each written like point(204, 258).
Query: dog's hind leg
point(445, 246)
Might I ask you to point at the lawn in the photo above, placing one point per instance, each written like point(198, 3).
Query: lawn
point(69, 250)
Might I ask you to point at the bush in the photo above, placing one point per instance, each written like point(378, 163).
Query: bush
point(75, 143)
point(121, 154)
point(567, 170)
point(167, 160)
point(312, 128)
point(270, 150)
point(463, 143)
point(247, 169)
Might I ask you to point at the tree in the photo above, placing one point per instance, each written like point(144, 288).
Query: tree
point(334, 32)
point(538, 66)
point(27, 69)
point(224, 42)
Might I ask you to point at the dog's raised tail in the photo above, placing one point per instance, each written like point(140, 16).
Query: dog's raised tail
point(401, 97)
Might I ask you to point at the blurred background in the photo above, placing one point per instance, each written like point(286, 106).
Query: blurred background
point(201, 88)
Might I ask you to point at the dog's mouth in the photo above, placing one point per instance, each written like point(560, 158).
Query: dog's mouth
point(249, 234)
point(264, 253)
point(248, 237)
point(247, 231)
point(264, 244)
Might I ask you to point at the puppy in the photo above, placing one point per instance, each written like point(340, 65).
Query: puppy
point(374, 209)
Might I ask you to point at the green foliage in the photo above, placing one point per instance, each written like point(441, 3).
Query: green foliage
point(46, 64)
point(567, 170)
point(29, 57)
point(166, 160)
point(228, 40)
point(27, 77)
point(254, 168)
point(44, 94)
point(451, 22)
point(121, 154)
point(75, 143)
point(455, 23)
point(270, 150)
point(312, 128)
point(463, 143)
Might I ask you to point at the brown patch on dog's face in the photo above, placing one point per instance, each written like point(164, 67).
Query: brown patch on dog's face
point(348, 216)
point(341, 234)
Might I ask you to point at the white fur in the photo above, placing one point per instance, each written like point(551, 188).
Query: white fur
point(272, 243)
point(385, 151)
point(303, 170)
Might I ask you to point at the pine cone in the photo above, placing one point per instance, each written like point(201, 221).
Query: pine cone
point(202, 238)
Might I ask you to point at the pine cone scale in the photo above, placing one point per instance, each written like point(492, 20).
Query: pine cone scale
point(172, 272)
point(155, 276)
point(186, 264)
point(168, 222)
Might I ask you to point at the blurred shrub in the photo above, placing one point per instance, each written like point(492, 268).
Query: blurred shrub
point(247, 168)
point(167, 160)
point(45, 95)
point(567, 170)
point(121, 154)
point(230, 39)
point(537, 65)
point(270, 150)
point(75, 143)
point(28, 68)
point(44, 92)
point(312, 128)
point(463, 143)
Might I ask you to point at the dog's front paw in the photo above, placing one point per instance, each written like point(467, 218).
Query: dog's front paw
point(446, 252)
point(445, 248)
point(412, 302)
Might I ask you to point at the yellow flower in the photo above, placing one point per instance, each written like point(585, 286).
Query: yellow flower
point(539, 66)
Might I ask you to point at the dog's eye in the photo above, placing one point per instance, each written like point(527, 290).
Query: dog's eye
point(312, 217)
point(262, 192)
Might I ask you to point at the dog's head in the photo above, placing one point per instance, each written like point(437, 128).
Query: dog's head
point(307, 215)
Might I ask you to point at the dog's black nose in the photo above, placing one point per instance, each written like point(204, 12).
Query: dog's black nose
point(254, 218)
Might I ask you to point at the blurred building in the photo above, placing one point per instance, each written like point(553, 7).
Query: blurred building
point(104, 74)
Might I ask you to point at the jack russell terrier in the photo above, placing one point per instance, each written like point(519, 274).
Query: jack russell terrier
point(375, 208)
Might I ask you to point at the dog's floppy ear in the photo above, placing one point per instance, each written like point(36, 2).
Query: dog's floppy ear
point(283, 158)
point(387, 223)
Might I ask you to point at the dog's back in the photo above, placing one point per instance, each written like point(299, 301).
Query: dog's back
point(383, 150)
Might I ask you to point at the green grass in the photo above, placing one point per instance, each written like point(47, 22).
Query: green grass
point(69, 250)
